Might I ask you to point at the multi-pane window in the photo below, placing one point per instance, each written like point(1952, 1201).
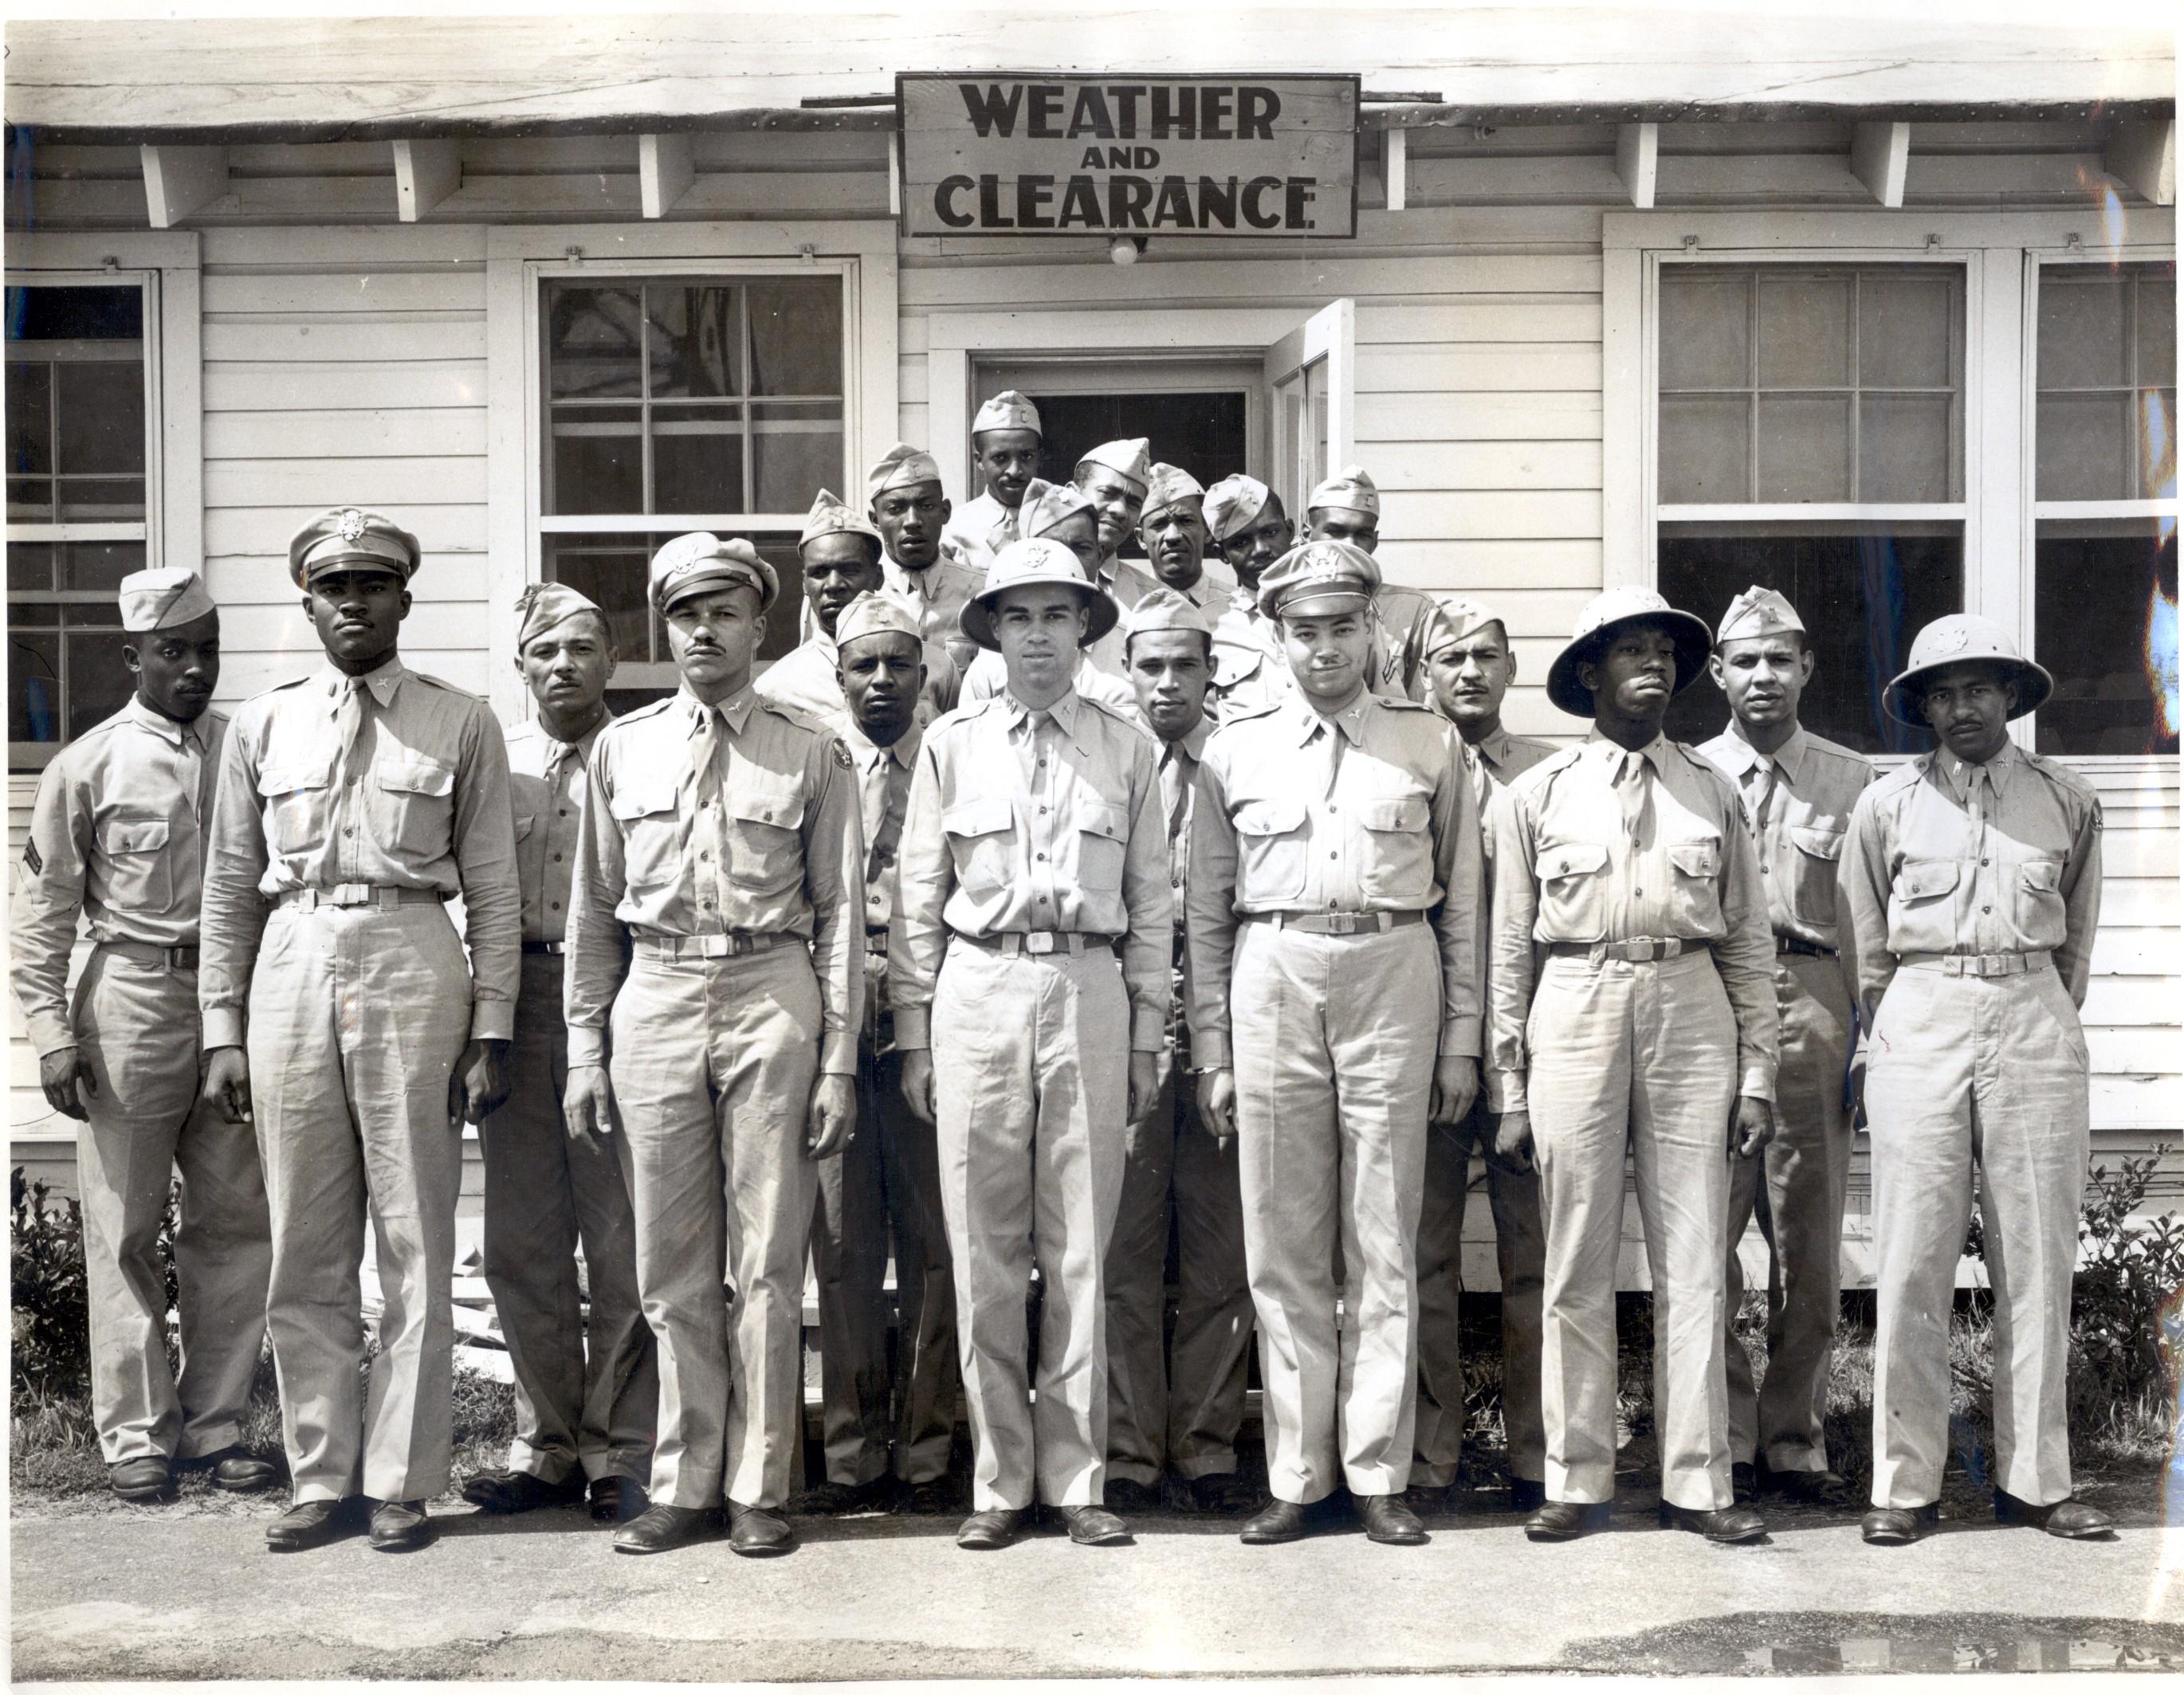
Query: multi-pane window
point(1823, 407)
point(77, 451)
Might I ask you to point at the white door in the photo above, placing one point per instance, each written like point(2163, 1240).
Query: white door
point(1311, 376)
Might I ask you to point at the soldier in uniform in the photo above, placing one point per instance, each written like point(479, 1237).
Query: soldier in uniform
point(586, 1396)
point(1249, 529)
point(1798, 790)
point(1034, 849)
point(923, 566)
point(1005, 443)
point(1469, 667)
point(1971, 879)
point(1173, 532)
point(354, 804)
point(1632, 1011)
point(1334, 929)
point(884, 1185)
point(1181, 1413)
point(1114, 477)
point(116, 837)
point(1346, 508)
point(714, 992)
point(1063, 513)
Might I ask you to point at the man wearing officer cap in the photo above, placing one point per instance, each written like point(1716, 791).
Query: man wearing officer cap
point(1033, 852)
point(1172, 531)
point(116, 837)
point(1334, 939)
point(1972, 882)
point(1005, 443)
point(586, 1395)
point(1181, 1412)
point(714, 992)
point(1470, 666)
point(1633, 1010)
point(1798, 790)
point(1061, 512)
point(921, 565)
point(354, 804)
point(1346, 508)
point(1244, 520)
point(884, 1186)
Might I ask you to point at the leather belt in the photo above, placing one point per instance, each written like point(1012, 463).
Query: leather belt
point(1337, 922)
point(531, 947)
point(1638, 950)
point(1797, 944)
point(380, 895)
point(151, 953)
point(730, 945)
point(1012, 943)
point(1978, 965)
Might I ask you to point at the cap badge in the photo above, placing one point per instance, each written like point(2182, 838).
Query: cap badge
point(352, 525)
point(1953, 641)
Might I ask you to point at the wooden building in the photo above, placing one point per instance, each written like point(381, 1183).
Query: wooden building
point(1882, 314)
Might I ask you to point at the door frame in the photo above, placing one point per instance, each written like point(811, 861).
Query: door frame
point(1164, 373)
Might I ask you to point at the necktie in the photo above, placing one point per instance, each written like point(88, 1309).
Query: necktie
point(348, 720)
point(705, 743)
point(1630, 787)
point(1766, 775)
point(888, 830)
point(1173, 790)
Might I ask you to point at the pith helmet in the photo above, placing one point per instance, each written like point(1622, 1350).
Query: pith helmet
point(1962, 638)
point(1034, 563)
point(1606, 614)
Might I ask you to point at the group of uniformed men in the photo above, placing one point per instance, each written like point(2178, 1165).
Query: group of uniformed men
point(1037, 899)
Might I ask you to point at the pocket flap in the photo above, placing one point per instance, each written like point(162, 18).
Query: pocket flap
point(1572, 859)
point(280, 780)
point(986, 816)
point(1269, 817)
point(1231, 665)
point(525, 823)
point(1103, 817)
point(1402, 812)
point(639, 802)
point(783, 809)
point(1821, 844)
point(1926, 878)
point(415, 774)
point(1699, 857)
point(133, 835)
point(2045, 876)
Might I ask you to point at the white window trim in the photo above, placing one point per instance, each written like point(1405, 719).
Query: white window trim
point(518, 258)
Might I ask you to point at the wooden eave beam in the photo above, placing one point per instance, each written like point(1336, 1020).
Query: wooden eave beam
point(178, 180)
point(426, 172)
point(1638, 161)
point(1880, 155)
point(2142, 157)
point(664, 172)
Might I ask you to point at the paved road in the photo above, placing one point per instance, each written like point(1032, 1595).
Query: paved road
point(190, 1593)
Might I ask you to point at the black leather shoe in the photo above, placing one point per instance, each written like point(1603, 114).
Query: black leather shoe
point(660, 1527)
point(989, 1531)
point(617, 1500)
point(1715, 1524)
point(1387, 1520)
point(400, 1526)
point(1743, 1482)
point(146, 1481)
point(1278, 1521)
point(236, 1470)
point(1223, 1492)
point(2071, 1520)
point(1527, 1495)
point(313, 1523)
point(758, 1532)
point(519, 1491)
point(1899, 1526)
point(1095, 1527)
point(1813, 1488)
point(1566, 1520)
point(928, 1499)
point(1126, 1495)
point(833, 1500)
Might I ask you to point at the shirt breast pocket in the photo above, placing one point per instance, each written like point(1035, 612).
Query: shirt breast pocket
point(651, 828)
point(1696, 863)
point(1812, 889)
point(1573, 891)
point(1270, 851)
point(982, 841)
point(766, 845)
point(1103, 835)
point(297, 804)
point(416, 799)
point(139, 874)
point(1922, 915)
point(2041, 914)
point(1398, 861)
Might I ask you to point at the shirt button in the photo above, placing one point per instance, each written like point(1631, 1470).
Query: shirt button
point(1041, 858)
point(1334, 854)
point(555, 905)
point(1987, 908)
point(1983, 862)
point(1637, 891)
point(557, 858)
point(349, 829)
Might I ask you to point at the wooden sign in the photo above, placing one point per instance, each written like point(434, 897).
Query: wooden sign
point(1034, 153)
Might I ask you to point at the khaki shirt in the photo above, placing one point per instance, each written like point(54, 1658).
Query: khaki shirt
point(806, 680)
point(1366, 811)
point(1567, 869)
point(547, 781)
point(1251, 672)
point(1126, 583)
point(1939, 863)
point(988, 679)
point(419, 800)
point(1177, 764)
point(938, 590)
point(117, 837)
point(1398, 664)
point(763, 840)
point(1022, 821)
point(980, 528)
point(1496, 762)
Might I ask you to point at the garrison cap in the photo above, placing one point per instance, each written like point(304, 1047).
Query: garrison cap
point(1170, 485)
point(1315, 571)
point(1033, 563)
point(1046, 506)
point(1163, 608)
point(1758, 612)
point(1127, 459)
point(348, 535)
point(830, 516)
point(1007, 410)
point(1455, 620)
point(691, 563)
point(902, 467)
point(1959, 639)
point(1233, 505)
point(877, 613)
point(1349, 489)
point(161, 599)
point(544, 606)
point(1603, 615)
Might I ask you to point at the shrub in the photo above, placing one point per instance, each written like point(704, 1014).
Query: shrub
point(2126, 1331)
point(52, 1311)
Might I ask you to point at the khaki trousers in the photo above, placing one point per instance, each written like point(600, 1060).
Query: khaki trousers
point(357, 1018)
point(1181, 1409)
point(1334, 1038)
point(586, 1396)
point(1991, 1071)
point(712, 1063)
point(1520, 1250)
point(1030, 1059)
point(1639, 1057)
point(1797, 1185)
point(136, 1028)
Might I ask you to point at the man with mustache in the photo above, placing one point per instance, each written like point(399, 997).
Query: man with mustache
point(1114, 477)
point(1173, 534)
point(1633, 1012)
point(1972, 882)
point(903, 492)
point(1249, 531)
point(1005, 444)
point(1346, 508)
point(353, 805)
point(714, 992)
point(117, 836)
point(1798, 791)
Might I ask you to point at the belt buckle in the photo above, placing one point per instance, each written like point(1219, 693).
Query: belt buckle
point(715, 947)
point(348, 894)
point(1039, 941)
